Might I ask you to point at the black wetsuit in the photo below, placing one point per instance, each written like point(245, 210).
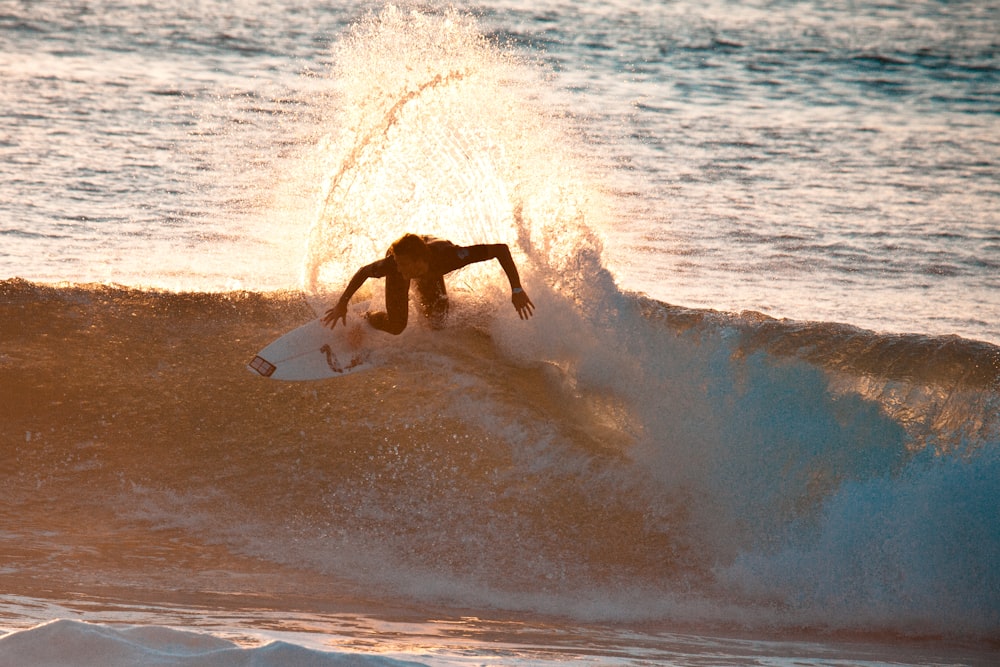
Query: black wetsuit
point(445, 257)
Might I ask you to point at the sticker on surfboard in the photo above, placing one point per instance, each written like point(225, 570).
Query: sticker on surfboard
point(315, 352)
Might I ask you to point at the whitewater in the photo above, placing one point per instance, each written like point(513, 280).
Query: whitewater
point(755, 419)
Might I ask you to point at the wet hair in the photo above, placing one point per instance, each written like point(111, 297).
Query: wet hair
point(410, 245)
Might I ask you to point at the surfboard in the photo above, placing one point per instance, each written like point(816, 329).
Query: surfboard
point(315, 352)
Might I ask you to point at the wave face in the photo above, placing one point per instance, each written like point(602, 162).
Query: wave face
point(679, 465)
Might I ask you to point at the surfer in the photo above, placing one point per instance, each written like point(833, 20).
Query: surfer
point(426, 260)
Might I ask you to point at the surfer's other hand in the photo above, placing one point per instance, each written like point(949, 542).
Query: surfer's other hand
point(522, 303)
point(338, 312)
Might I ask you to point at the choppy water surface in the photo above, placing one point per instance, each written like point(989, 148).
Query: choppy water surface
point(795, 158)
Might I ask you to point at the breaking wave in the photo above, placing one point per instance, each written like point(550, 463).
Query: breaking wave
point(614, 458)
point(684, 465)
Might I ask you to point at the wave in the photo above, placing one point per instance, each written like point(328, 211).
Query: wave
point(615, 458)
point(692, 466)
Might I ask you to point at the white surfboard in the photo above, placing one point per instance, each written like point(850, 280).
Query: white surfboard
point(316, 352)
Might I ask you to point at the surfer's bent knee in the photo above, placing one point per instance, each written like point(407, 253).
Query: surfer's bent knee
point(383, 322)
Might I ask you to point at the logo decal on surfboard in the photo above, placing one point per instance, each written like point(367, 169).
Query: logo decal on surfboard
point(263, 366)
point(331, 359)
point(334, 363)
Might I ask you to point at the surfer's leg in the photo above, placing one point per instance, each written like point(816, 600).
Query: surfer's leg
point(433, 300)
point(397, 298)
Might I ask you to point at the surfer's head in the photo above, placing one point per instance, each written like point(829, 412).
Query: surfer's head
point(412, 256)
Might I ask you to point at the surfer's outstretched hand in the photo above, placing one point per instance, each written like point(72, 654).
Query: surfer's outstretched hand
point(522, 303)
point(338, 312)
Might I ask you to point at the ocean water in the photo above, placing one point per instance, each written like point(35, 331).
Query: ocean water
point(802, 159)
point(754, 420)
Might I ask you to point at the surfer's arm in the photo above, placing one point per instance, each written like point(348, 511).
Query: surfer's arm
point(339, 311)
point(501, 253)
